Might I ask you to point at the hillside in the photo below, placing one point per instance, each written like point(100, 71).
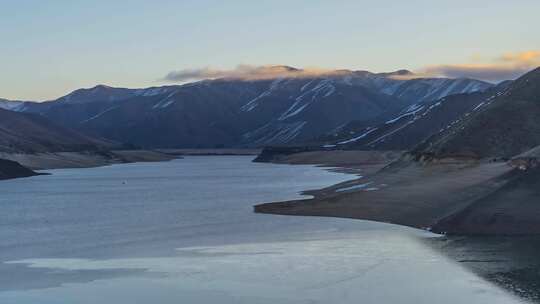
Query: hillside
point(504, 124)
point(410, 126)
point(28, 133)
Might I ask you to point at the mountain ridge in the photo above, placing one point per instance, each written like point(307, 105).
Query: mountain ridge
point(30, 133)
point(243, 113)
point(503, 125)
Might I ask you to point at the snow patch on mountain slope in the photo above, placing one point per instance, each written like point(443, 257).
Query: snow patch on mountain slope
point(99, 114)
point(323, 89)
point(293, 110)
point(357, 138)
point(151, 91)
point(388, 86)
point(355, 187)
point(305, 86)
point(479, 106)
point(276, 133)
point(474, 87)
point(428, 88)
point(412, 110)
point(449, 88)
point(252, 104)
point(165, 102)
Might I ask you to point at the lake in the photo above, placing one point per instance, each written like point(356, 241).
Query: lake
point(184, 232)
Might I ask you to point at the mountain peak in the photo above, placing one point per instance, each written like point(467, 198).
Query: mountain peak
point(402, 72)
point(398, 73)
point(102, 87)
point(283, 68)
point(94, 89)
point(99, 92)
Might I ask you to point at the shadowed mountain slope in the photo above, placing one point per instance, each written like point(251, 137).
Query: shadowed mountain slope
point(504, 124)
point(28, 133)
point(245, 113)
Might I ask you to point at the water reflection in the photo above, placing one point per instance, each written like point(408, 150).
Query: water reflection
point(510, 262)
point(376, 266)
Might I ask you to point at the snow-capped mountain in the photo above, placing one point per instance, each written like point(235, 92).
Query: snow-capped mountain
point(234, 112)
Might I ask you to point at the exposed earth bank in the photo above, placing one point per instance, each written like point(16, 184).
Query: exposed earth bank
point(450, 196)
point(58, 160)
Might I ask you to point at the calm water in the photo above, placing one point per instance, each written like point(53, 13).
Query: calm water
point(184, 232)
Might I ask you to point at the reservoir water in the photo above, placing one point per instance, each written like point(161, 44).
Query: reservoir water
point(184, 232)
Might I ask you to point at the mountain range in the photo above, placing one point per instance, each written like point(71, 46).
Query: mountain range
point(247, 113)
point(411, 125)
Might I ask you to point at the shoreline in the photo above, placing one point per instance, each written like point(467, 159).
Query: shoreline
point(91, 159)
point(84, 159)
point(210, 152)
point(509, 261)
point(458, 197)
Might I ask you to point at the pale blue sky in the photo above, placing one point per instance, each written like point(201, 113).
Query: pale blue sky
point(48, 48)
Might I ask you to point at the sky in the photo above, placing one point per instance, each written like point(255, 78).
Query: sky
point(51, 47)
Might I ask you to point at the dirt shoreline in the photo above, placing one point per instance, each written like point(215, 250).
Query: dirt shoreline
point(353, 162)
point(210, 152)
point(476, 201)
point(88, 159)
point(461, 197)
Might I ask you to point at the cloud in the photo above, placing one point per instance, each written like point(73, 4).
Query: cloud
point(523, 57)
point(487, 72)
point(191, 74)
point(504, 67)
point(507, 66)
point(245, 72)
